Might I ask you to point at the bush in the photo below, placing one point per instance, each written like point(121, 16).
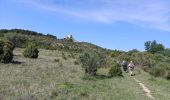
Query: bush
point(60, 64)
point(166, 52)
point(84, 93)
point(31, 51)
point(146, 68)
point(115, 53)
point(161, 70)
point(90, 63)
point(130, 52)
point(54, 94)
point(123, 56)
point(157, 71)
point(76, 62)
point(71, 55)
point(56, 60)
point(1, 35)
point(102, 59)
point(143, 59)
point(18, 40)
point(115, 71)
point(64, 56)
point(6, 52)
point(159, 57)
point(168, 76)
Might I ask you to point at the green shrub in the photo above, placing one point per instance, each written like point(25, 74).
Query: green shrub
point(17, 39)
point(143, 59)
point(115, 53)
point(159, 57)
point(56, 60)
point(71, 55)
point(130, 52)
point(54, 94)
point(168, 76)
point(90, 63)
point(76, 62)
point(64, 56)
point(84, 93)
point(166, 52)
point(161, 70)
point(1, 47)
point(146, 68)
point(31, 51)
point(157, 71)
point(123, 56)
point(102, 59)
point(1, 35)
point(6, 51)
point(115, 70)
point(60, 64)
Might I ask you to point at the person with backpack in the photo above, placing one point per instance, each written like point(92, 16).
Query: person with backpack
point(124, 65)
point(131, 67)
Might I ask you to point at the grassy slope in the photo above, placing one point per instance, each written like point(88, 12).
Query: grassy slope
point(160, 88)
point(43, 78)
point(21, 37)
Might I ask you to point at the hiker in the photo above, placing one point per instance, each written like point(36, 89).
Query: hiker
point(131, 68)
point(124, 64)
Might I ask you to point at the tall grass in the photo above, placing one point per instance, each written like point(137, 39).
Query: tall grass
point(45, 79)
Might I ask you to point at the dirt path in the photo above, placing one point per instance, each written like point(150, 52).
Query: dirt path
point(145, 89)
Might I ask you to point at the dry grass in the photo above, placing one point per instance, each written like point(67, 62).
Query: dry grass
point(36, 78)
point(45, 79)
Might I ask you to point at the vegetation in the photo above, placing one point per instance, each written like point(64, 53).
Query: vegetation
point(90, 63)
point(153, 46)
point(160, 57)
point(37, 81)
point(64, 56)
point(115, 71)
point(115, 53)
point(161, 70)
point(6, 51)
point(57, 72)
point(155, 60)
point(21, 38)
point(31, 51)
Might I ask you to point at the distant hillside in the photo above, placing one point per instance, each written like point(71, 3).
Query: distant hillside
point(21, 37)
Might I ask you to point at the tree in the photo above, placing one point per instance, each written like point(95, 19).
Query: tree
point(153, 47)
point(147, 46)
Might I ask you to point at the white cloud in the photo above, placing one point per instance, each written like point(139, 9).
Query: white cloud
point(148, 13)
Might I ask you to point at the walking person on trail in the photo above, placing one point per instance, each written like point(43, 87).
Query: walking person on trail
point(124, 64)
point(131, 68)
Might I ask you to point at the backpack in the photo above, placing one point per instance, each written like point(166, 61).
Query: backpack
point(124, 63)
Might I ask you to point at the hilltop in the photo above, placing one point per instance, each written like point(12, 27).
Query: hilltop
point(22, 37)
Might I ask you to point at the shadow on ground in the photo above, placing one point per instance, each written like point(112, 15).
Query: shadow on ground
point(16, 62)
point(98, 77)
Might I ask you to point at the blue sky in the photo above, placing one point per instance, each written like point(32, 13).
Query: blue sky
point(113, 24)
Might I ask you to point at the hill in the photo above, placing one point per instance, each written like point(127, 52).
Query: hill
point(22, 37)
point(60, 71)
point(46, 78)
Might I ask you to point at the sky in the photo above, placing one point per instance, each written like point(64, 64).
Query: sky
point(112, 24)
